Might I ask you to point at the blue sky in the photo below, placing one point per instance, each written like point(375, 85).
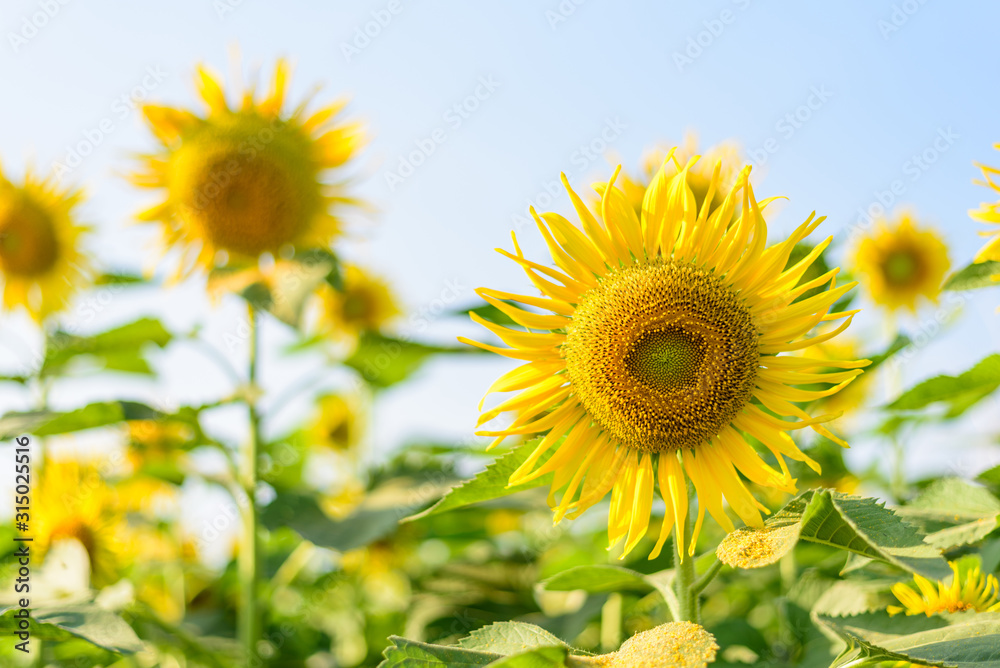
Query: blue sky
point(834, 101)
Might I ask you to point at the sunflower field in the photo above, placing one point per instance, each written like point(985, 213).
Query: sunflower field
point(729, 394)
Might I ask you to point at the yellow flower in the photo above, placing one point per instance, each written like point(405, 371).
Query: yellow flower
point(72, 501)
point(661, 350)
point(900, 263)
point(155, 442)
point(365, 304)
point(41, 262)
point(246, 179)
point(726, 154)
point(852, 397)
point(973, 592)
point(337, 425)
point(989, 212)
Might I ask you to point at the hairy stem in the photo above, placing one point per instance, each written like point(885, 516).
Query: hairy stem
point(687, 597)
point(249, 555)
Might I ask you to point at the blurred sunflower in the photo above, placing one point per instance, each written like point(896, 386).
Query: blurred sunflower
point(156, 442)
point(41, 261)
point(72, 501)
point(900, 263)
point(247, 179)
point(366, 303)
point(727, 154)
point(971, 591)
point(662, 346)
point(989, 212)
point(337, 425)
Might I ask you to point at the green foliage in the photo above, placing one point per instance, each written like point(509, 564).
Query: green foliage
point(491, 483)
point(959, 393)
point(86, 621)
point(862, 526)
point(508, 644)
point(509, 638)
point(965, 640)
point(376, 517)
point(600, 578)
point(384, 361)
point(954, 512)
point(117, 349)
point(48, 423)
point(974, 276)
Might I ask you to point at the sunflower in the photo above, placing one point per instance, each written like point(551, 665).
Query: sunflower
point(41, 263)
point(336, 425)
point(974, 591)
point(989, 212)
point(72, 501)
point(366, 303)
point(727, 153)
point(660, 351)
point(157, 443)
point(245, 180)
point(900, 263)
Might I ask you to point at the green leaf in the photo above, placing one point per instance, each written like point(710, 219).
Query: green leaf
point(962, 513)
point(541, 657)
point(102, 414)
point(491, 483)
point(119, 278)
point(961, 391)
point(90, 622)
point(964, 640)
point(863, 526)
point(113, 344)
point(953, 500)
point(384, 361)
point(598, 579)
point(974, 276)
point(853, 597)
point(509, 638)
point(405, 653)
point(990, 477)
point(376, 517)
point(605, 578)
point(899, 343)
point(491, 313)
point(867, 527)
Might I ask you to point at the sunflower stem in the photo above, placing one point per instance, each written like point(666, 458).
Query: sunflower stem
point(706, 578)
point(611, 623)
point(248, 558)
point(684, 581)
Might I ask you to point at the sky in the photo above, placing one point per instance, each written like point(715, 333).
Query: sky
point(473, 111)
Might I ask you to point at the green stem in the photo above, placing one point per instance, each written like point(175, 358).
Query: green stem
point(248, 558)
point(706, 577)
point(611, 623)
point(687, 597)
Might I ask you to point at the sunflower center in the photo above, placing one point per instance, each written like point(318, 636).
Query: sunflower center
point(662, 355)
point(357, 306)
point(247, 188)
point(901, 267)
point(28, 244)
point(666, 358)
